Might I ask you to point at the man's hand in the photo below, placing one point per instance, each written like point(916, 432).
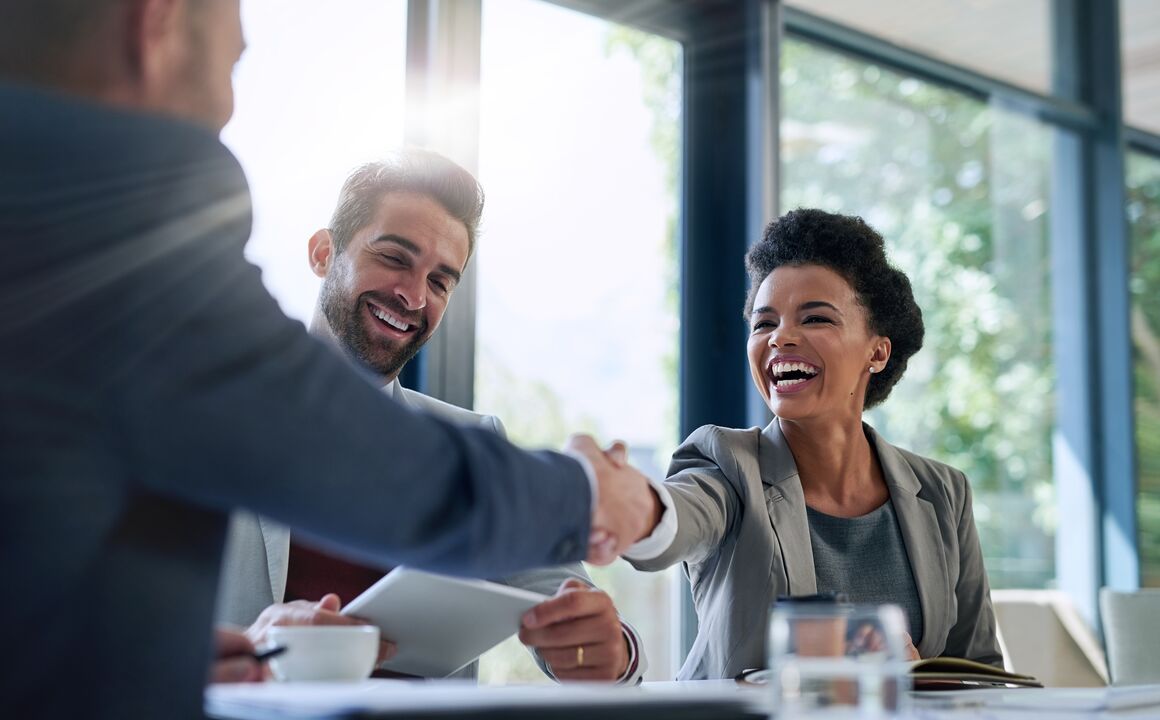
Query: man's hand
point(578, 633)
point(234, 658)
point(627, 506)
point(304, 612)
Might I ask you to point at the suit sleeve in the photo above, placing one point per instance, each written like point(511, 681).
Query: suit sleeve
point(973, 636)
point(706, 502)
point(496, 425)
point(223, 401)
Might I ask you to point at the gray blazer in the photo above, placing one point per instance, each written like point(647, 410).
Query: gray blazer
point(257, 548)
point(744, 540)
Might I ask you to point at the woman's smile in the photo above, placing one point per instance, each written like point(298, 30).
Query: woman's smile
point(791, 374)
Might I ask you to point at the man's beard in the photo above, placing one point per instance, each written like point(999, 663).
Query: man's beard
point(348, 323)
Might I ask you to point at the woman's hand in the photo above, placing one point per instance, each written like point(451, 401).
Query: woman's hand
point(870, 639)
point(910, 650)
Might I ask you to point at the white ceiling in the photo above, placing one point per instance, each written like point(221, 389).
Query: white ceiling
point(1006, 39)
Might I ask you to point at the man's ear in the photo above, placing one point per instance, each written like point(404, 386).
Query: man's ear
point(157, 42)
point(321, 249)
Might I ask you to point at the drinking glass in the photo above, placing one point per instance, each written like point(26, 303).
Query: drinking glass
point(837, 660)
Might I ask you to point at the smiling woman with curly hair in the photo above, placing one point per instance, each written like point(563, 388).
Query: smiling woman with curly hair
point(817, 501)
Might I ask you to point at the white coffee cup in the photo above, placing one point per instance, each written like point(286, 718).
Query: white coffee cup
point(324, 652)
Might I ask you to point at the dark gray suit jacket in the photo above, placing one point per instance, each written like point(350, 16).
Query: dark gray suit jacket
point(257, 552)
point(149, 385)
point(744, 539)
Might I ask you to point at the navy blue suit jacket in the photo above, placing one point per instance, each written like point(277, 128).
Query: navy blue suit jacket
point(149, 384)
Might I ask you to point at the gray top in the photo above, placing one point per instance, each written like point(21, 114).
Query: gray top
point(865, 558)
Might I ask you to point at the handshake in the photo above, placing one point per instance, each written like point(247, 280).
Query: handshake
point(627, 507)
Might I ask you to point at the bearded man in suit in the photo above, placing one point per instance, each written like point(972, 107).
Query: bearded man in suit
point(390, 261)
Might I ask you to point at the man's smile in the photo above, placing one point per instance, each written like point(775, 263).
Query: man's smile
point(390, 322)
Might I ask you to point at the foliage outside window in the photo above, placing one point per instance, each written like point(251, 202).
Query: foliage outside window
point(960, 191)
point(1144, 286)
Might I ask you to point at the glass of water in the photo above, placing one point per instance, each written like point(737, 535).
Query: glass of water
point(837, 660)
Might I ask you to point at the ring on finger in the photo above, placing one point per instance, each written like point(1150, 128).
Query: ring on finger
point(579, 656)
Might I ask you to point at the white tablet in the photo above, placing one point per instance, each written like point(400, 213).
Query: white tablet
point(440, 623)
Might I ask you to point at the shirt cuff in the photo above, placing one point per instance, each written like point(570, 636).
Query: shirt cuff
point(663, 534)
point(590, 473)
point(637, 661)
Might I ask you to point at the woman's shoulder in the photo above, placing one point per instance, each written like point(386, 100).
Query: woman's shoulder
point(932, 475)
point(731, 450)
point(719, 438)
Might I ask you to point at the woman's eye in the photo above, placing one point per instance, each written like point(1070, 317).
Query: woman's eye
point(817, 319)
point(763, 325)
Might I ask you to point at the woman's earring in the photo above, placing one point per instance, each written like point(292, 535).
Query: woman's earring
point(872, 370)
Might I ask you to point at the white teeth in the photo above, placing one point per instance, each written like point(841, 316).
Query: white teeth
point(783, 367)
point(790, 383)
point(390, 320)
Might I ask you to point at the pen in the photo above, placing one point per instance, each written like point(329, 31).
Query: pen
point(270, 652)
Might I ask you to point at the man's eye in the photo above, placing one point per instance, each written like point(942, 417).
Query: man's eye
point(439, 285)
point(392, 259)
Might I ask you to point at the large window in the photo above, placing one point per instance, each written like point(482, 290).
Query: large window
point(960, 191)
point(577, 305)
point(318, 92)
point(1144, 216)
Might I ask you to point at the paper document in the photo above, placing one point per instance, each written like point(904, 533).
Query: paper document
point(439, 623)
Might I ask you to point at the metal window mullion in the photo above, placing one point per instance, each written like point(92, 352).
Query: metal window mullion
point(728, 193)
point(1110, 342)
point(1142, 140)
point(443, 70)
point(1094, 440)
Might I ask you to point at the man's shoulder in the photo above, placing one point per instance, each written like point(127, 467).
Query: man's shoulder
point(451, 413)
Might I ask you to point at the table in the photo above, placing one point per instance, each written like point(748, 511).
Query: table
point(708, 700)
point(703, 700)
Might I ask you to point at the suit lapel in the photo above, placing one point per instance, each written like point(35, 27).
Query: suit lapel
point(920, 534)
point(276, 538)
point(787, 510)
point(399, 394)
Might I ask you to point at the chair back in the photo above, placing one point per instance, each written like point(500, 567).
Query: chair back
point(1132, 635)
point(1042, 634)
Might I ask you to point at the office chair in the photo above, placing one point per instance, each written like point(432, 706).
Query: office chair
point(1132, 635)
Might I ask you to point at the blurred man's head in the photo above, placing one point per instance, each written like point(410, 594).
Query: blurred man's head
point(173, 57)
point(393, 255)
